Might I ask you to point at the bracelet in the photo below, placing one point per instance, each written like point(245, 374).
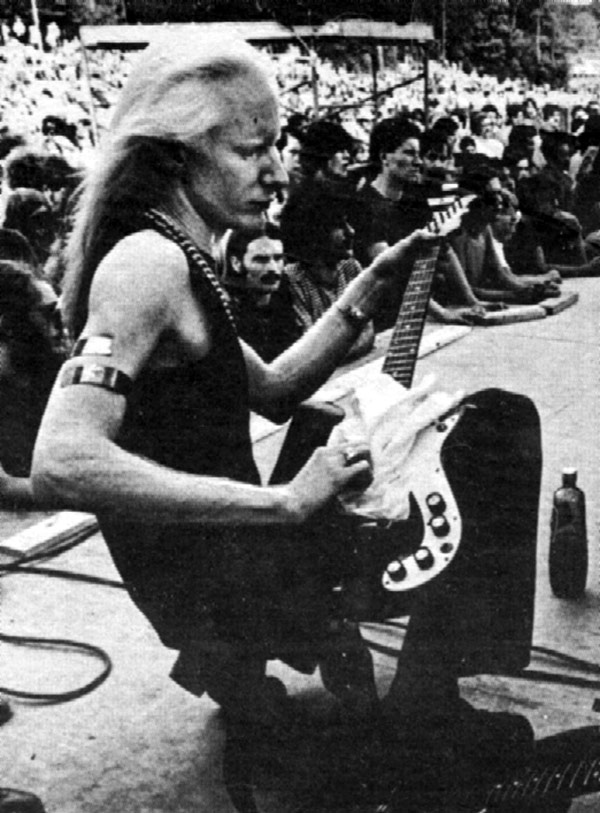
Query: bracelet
point(355, 317)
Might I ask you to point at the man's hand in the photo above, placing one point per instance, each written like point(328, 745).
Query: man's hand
point(467, 315)
point(330, 470)
point(401, 255)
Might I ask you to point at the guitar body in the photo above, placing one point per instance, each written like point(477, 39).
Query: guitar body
point(393, 559)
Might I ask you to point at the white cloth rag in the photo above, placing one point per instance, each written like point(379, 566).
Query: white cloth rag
point(393, 421)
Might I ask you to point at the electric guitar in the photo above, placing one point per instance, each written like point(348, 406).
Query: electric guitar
point(434, 511)
point(392, 560)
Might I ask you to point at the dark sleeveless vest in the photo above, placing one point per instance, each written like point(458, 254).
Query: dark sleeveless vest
point(193, 418)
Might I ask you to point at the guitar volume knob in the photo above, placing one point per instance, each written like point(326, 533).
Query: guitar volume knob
point(436, 503)
point(424, 558)
point(440, 526)
point(396, 571)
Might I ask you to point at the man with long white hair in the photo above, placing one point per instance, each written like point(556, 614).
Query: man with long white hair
point(147, 426)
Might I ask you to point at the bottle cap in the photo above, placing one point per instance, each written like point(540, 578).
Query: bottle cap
point(569, 476)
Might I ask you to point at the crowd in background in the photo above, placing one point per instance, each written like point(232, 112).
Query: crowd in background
point(362, 174)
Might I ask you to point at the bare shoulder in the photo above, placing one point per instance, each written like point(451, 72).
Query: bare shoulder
point(146, 262)
point(144, 277)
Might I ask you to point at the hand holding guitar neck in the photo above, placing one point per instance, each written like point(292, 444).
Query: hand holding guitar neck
point(403, 254)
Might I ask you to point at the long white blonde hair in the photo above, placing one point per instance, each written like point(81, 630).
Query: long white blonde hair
point(173, 98)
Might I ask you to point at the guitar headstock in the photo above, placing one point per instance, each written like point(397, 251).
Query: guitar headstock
point(448, 219)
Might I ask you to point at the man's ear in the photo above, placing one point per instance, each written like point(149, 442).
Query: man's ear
point(236, 264)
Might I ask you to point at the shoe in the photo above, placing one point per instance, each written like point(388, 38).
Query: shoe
point(449, 748)
point(19, 801)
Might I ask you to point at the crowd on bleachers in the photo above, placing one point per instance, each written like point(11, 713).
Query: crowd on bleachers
point(363, 174)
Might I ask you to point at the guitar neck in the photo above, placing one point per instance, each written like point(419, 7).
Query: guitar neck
point(402, 353)
point(572, 779)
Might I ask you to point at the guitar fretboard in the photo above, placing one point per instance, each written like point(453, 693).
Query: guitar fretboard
point(402, 353)
point(573, 779)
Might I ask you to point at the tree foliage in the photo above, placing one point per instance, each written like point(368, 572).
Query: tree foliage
point(507, 38)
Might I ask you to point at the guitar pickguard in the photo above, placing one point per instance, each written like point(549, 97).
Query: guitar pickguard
point(442, 526)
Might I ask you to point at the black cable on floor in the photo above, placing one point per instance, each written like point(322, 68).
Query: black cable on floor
point(59, 643)
point(534, 675)
point(20, 566)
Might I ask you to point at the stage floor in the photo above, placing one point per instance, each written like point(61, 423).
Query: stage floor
point(140, 744)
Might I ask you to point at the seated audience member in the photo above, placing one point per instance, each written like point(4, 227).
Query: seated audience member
point(16, 248)
point(449, 128)
point(557, 149)
point(586, 200)
point(325, 151)
point(28, 211)
point(478, 247)
point(438, 159)
point(24, 169)
point(317, 241)
point(531, 113)
point(515, 115)
point(289, 147)
point(484, 132)
point(389, 208)
point(548, 238)
point(593, 108)
point(515, 167)
point(394, 204)
point(579, 116)
point(259, 292)
point(59, 137)
point(288, 144)
point(551, 119)
point(29, 361)
point(523, 139)
point(466, 147)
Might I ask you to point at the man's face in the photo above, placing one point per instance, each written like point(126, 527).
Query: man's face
point(563, 156)
point(404, 163)
point(290, 155)
point(554, 121)
point(341, 242)
point(231, 181)
point(505, 223)
point(488, 126)
point(338, 164)
point(262, 264)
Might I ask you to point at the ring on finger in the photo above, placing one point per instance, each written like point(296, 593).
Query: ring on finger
point(350, 458)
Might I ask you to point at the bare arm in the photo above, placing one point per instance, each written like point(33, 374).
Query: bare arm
point(141, 292)
point(455, 274)
point(278, 388)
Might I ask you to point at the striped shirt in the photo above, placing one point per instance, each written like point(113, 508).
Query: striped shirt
point(310, 297)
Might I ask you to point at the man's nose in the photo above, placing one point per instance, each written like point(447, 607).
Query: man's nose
point(275, 171)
